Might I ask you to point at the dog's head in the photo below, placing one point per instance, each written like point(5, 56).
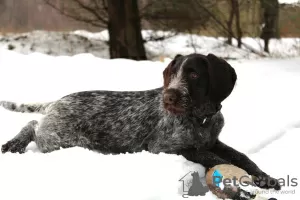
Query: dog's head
point(193, 80)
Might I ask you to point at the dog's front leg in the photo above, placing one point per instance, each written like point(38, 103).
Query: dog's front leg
point(239, 159)
point(203, 157)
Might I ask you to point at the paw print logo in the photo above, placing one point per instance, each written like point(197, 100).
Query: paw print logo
point(266, 182)
point(260, 181)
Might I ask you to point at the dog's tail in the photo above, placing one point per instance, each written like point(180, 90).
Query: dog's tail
point(26, 108)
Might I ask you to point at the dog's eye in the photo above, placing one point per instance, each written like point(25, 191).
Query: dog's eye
point(194, 75)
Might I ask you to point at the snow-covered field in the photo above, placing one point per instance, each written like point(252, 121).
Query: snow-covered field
point(72, 43)
point(262, 119)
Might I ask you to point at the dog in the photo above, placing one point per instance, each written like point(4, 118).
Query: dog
point(182, 117)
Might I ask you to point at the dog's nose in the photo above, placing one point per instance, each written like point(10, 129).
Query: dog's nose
point(170, 97)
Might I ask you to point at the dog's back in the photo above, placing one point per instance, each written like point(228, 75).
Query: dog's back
point(111, 122)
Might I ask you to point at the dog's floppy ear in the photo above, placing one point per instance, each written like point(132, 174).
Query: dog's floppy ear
point(222, 78)
point(167, 71)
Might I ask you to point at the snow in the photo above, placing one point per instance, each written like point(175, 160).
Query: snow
point(73, 43)
point(288, 1)
point(262, 120)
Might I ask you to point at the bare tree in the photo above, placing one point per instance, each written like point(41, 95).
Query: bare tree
point(177, 15)
point(270, 22)
point(218, 24)
point(237, 22)
point(229, 22)
point(121, 18)
point(125, 30)
point(234, 13)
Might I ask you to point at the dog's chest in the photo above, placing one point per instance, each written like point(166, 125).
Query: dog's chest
point(179, 136)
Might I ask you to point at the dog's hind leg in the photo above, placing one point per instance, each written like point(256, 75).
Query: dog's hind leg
point(48, 141)
point(46, 137)
point(19, 143)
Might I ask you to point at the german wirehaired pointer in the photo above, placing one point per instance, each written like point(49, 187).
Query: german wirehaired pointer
point(183, 117)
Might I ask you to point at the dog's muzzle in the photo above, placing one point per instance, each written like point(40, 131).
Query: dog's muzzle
point(171, 100)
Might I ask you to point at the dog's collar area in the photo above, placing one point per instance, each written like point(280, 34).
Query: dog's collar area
point(207, 118)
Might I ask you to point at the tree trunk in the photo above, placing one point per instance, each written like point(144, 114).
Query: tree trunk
point(229, 23)
point(238, 25)
point(270, 20)
point(266, 47)
point(124, 27)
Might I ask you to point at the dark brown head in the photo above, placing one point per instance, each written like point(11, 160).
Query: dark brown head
point(194, 80)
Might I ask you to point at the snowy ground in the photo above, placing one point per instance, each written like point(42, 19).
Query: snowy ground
point(262, 120)
point(72, 43)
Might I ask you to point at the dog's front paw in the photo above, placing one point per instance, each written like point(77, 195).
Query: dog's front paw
point(265, 181)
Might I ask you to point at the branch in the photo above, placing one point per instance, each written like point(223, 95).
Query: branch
point(227, 31)
point(75, 17)
point(104, 5)
point(91, 10)
point(143, 10)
